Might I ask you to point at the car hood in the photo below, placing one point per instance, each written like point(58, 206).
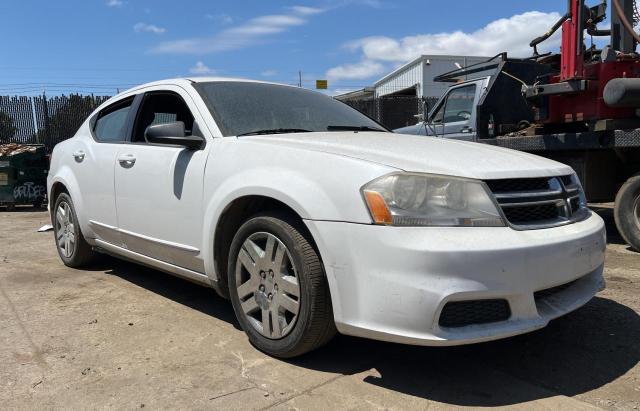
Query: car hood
point(422, 154)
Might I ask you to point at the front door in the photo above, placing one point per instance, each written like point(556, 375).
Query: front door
point(93, 166)
point(159, 188)
point(455, 116)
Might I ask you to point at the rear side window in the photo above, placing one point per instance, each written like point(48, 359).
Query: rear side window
point(111, 125)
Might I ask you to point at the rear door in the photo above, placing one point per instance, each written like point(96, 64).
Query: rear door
point(159, 188)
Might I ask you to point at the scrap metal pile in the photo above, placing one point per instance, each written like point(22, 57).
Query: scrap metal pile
point(12, 149)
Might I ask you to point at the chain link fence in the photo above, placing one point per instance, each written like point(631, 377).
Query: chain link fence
point(393, 111)
point(44, 120)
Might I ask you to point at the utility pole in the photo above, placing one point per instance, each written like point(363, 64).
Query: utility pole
point(299, 78)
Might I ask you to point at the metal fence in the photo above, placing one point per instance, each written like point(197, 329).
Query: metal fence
point(44, 120)
point(393, 111)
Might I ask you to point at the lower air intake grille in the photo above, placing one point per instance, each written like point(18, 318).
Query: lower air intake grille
point(550, 292)
point(462, 313)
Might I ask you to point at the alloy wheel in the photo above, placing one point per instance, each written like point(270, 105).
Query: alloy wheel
point(65, 229)
point(267, 285)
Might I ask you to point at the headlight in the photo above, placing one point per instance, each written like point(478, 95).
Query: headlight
point(411, 199)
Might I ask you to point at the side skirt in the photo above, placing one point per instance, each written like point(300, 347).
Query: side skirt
point(119, 252)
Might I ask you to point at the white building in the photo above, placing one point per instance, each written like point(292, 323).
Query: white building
point(416, 77)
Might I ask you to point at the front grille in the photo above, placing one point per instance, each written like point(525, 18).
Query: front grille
point(463, 313)
point(523, 215)
point(529, 203)
point(509, 185)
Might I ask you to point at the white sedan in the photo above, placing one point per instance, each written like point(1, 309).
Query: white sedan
point(312, 218)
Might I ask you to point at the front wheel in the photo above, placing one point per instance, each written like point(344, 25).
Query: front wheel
point(278, 287)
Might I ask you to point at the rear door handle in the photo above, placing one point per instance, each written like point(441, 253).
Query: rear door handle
point(127, 160)
point(78, 155)
point(466, 129)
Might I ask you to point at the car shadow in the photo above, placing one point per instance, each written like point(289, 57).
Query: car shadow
point(190, 294)
point(575, 354)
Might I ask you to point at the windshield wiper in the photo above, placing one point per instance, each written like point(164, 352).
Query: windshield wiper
point(355, 128)
point(274, 131)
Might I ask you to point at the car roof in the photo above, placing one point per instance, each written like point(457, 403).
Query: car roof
point(182, 81)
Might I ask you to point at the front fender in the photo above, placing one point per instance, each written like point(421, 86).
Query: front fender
point(317, 186)
point(235, 188)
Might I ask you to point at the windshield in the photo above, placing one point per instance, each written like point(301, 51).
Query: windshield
point(257, 108)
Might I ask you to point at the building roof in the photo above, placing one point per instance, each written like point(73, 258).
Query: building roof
point(364, 92)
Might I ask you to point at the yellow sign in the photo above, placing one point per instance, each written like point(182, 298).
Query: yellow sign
point(322, 84)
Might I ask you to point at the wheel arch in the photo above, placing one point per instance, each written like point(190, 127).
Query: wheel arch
point(64, 181)
point(232, 216)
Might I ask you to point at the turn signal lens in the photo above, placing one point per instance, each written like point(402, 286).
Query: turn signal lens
point(379, 210)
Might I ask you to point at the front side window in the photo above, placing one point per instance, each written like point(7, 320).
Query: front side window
point(161, 108)
point(111, 125)
point(253, 108)
point(459, 105)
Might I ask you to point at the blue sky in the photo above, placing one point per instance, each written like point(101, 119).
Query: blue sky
point(100, 45)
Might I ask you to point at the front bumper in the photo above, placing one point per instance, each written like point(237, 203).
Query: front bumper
point(391, 283)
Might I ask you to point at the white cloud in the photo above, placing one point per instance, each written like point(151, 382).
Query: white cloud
point(222, 18)
point(508, 34)
point(376, 4)
point(201, 68)
point(362, 70)
point(255, 31)
point(148, 28)
point(114, 3)
point(269, 73)
point(306, 11)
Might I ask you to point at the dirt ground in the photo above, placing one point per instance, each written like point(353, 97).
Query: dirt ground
point(123, 336)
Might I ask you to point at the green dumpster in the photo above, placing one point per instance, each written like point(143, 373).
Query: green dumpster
point(23, 174)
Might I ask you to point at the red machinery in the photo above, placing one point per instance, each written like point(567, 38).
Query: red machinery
point(592, 89)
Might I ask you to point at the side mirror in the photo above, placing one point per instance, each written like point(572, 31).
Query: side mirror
point(172, 134)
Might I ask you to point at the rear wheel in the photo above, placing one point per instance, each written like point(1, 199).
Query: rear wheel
point(73, 249)
point(278, 287)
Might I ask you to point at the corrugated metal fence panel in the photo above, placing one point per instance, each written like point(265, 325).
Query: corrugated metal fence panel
point(44, 120)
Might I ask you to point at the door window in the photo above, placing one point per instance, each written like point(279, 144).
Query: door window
point(111, 125)
point(161, 108)
point(459, 104)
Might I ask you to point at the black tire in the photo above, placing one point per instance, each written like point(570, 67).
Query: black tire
point(625, 212)
point(81, 254)
point(314, 325)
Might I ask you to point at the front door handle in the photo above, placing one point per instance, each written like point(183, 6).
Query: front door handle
point(127, 160)
point(78, 155)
